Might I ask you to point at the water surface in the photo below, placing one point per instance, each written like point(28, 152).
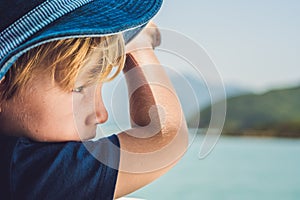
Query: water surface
point(239, 168)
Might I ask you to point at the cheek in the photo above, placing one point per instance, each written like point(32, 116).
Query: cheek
point(84, 113)
point(54, 119)
point(60, 112)
point(83, 109)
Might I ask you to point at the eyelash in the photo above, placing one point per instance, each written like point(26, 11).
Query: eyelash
point(78, 89)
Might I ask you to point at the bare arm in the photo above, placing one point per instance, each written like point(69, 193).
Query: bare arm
point(158, 137)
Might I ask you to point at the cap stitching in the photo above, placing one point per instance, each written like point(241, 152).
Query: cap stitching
point(34, 21)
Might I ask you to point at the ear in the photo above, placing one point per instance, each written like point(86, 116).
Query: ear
point(1, 94)
point(2, 79)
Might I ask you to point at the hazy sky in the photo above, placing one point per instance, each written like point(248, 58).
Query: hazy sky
point(254, 44)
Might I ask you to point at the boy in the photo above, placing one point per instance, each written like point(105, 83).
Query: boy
point(51, 104)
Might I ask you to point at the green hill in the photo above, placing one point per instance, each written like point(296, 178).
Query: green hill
point(275, 113)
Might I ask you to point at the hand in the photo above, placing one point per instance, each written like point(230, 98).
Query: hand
point(149, 37)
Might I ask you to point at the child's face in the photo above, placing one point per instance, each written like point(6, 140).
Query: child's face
point(44, 112)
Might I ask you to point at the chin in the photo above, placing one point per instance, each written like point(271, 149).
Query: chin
point(88, 135)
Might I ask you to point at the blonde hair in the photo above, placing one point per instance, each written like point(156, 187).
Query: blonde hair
point(64, 60)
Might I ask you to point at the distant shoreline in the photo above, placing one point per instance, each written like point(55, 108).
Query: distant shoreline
point(256, 133)
point(264, 133)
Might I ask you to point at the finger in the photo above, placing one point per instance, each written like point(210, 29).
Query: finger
point(158, 38)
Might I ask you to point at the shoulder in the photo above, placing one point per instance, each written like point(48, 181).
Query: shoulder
point(79, 169)
point(7, 145)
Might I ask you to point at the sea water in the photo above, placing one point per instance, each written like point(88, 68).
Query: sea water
point(238, 168)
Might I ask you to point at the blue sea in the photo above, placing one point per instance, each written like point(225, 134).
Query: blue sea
point(238, 168)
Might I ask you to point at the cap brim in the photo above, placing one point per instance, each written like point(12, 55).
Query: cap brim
point(103, 17)
point(97, 18)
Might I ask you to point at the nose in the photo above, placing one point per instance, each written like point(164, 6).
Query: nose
point(101, 115)
point(100, 110)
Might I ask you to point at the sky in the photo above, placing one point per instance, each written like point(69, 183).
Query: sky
point(254, 44)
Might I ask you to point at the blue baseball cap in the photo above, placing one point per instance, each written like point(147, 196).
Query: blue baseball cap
point(26, 24)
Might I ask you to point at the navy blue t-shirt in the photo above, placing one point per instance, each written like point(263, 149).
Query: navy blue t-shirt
point(61, 170)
